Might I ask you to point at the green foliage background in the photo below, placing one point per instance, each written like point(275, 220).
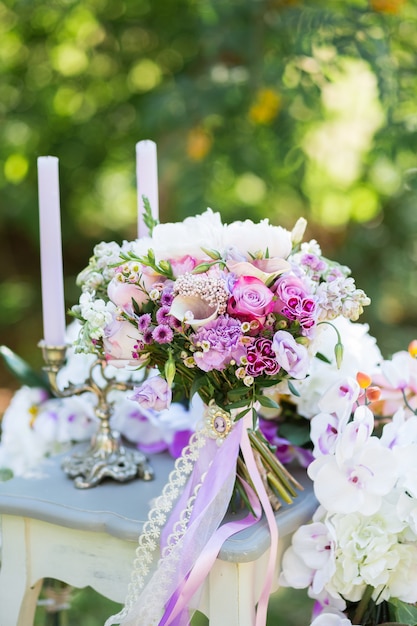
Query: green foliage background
point(260, 108)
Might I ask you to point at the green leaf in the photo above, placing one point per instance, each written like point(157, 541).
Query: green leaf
point(148, 219)
point(136, 307)
point(237, 405)
point(267, 402)
point(404, 613)
point(323, 358)
point(296, 432)
point(22, 370)
point(293, 390)
point(254, 418)
point(198, 382)
point(238, 392)
point(213, 254)
point(242, 414)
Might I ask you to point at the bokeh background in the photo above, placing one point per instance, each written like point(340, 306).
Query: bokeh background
point(260, 108)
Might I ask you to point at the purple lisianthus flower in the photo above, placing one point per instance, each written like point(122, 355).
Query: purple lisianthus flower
point(218, 343)
point(180, 440)
point(295, 301)
point(292, 356)
point(153, 393)
point(162, 334)
point(261, 358)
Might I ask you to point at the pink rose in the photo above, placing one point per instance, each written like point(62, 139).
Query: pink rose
point(122, 293)
point(251, 298)
point(121, 343)
point(292, 356)
point(154, 393)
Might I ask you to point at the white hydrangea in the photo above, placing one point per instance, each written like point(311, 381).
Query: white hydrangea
point(368, 549)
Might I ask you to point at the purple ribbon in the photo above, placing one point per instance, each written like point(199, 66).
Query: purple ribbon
point(205, 535)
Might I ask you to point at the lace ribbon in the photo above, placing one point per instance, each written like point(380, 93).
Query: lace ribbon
point(192, 536)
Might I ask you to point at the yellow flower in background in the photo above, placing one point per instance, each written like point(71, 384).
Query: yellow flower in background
point(33, 412)
point(199, 143)
point(266, 106)
point(387, 6)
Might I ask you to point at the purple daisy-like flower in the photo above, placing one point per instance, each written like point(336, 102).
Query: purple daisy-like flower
point(163, 317)
point(144, 322)
point(162, 334)
point(261, 358)
point(167, 297)
point(148, 335)
point(218, 343)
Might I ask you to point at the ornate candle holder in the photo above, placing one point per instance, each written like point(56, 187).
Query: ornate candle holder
point(106, 457)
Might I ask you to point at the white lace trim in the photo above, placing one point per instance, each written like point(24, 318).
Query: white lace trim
point(150, 609)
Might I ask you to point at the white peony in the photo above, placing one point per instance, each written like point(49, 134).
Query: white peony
point(251, 238)
point(175, 240)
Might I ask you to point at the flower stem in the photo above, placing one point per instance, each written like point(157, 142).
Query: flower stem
point(363, 605)
point(281, 474)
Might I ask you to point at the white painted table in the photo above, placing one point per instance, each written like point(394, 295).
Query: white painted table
point(88, 537)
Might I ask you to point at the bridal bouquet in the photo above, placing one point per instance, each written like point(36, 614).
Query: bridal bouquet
point(224, 311)
point(358, 556)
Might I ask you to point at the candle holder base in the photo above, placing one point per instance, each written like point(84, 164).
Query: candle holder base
point(89, 467)
point(106, 457)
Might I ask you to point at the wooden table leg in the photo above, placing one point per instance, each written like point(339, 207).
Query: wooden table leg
point(232, 594)
point(18, 598)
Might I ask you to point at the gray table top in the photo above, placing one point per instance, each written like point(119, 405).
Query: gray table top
point(121, 509)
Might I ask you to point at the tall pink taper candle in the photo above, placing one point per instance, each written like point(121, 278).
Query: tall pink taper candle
point(147, 181)
point(53, 303)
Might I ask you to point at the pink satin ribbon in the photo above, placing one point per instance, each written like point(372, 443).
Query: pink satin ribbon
point(176, 609)
point(206, 560)
point(247, 452)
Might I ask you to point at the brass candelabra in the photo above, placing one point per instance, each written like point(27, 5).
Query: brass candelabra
point(106, 457)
